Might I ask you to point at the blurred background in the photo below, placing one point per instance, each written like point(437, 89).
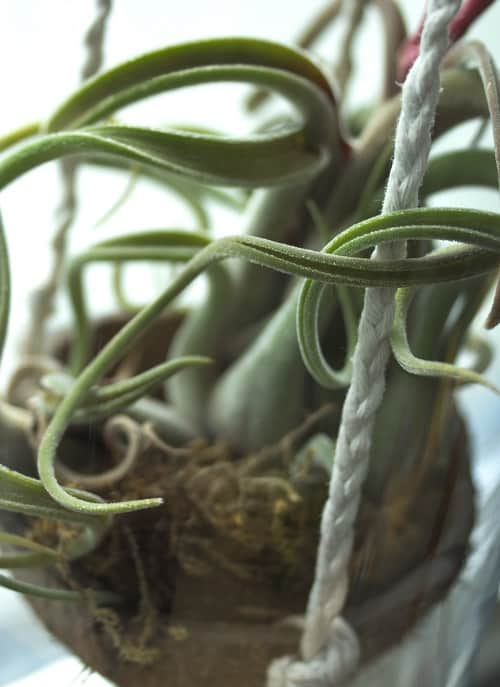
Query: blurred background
point(41, 55)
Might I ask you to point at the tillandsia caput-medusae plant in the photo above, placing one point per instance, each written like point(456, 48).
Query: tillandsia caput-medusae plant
point(181, 537)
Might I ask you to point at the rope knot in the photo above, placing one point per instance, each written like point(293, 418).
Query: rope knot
point(335, 661)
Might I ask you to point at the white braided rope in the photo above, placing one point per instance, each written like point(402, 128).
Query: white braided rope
point(330, 649)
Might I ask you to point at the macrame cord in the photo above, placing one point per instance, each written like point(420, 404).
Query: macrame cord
point(42, 298)
point(94, 40)
point(330, 649)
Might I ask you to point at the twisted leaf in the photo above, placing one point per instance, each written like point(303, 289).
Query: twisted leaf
point(112, 398)
point(275, 159)
point(467, 226)
point(417, 366)
point(157, 246)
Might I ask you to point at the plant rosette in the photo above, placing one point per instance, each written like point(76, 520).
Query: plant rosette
point(165, 469)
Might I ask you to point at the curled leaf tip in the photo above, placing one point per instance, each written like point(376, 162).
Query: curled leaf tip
point(420, 366)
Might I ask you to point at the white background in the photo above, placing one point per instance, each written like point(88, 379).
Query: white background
point(40, 58)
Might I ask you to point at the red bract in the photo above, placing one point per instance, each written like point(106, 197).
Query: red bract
point(467, 14)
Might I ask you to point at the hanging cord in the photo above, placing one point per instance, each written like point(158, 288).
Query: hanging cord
point(43, 297)
point(94, 40)
point(354, 17)
point(330, 649)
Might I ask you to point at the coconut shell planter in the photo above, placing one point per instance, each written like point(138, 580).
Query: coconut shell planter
point(165, 468)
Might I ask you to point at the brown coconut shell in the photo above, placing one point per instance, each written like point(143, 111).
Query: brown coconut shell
point(222, 624)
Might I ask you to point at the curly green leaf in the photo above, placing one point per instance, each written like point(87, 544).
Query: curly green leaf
point(167, 245)
point(467, 226)
point(112, 398)
point(418, 366)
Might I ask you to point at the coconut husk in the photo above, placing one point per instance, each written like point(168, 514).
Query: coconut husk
point(214, 580)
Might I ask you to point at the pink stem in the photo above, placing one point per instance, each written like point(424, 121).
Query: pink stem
point(466, 15)
point(408, 52)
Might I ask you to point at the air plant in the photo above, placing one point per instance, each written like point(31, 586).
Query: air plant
point(214, 423)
